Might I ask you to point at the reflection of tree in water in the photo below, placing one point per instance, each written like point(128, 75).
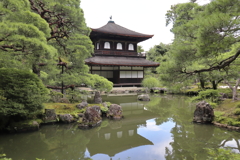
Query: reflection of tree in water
point(160, 106)
point(169, 107)
point(189, 139)
point(51, 142)
point(66, 142)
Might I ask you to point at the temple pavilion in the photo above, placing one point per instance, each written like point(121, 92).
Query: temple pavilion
point(115, 55)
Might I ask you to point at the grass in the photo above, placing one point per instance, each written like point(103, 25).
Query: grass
point(225, 113)
point(64, 108)
point(69, 108)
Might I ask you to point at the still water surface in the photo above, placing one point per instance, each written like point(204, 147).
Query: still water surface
point(156, 130)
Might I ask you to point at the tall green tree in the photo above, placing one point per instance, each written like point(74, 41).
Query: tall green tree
point(49, 38)
point(206, 41)
point(157, 52)
point(70, 36)
point(23, 36)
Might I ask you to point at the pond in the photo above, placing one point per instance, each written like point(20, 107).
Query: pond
point(156, 130)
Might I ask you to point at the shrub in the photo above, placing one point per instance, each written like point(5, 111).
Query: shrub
point(209, 94)
point(218, 116)
point(150, 82)
point(74, 95)
point(222, 154)
point(238, 106)
point(214, 105)
point(22, 93)
point(237, 111)
point(55, 96)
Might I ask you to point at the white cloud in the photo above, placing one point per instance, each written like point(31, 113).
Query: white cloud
point(151, 126)
point(144, 16)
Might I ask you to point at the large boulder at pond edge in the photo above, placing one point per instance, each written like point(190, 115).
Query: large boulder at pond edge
point(114, 111)
point(97, 97)
point(66, 118)
point(91, 118)
point(203, 113)
point(50, 116)
point(143, 97)
point(82, 105)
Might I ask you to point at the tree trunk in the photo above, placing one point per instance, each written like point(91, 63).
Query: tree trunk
point(234, 89)
point(36, 70)
point(62, 90)
point(214, 85)
point(202, 84)
point(234, 94)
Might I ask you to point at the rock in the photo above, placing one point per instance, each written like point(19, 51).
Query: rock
point(105, 104)
point(66, 118)
point(159, 90)
point(80, 115)
point(97, 97)
point(91, 118)
point(223, 96)
point(64, 100)
point(35, 123)
point(114, 111)
point(97, 108)
point(50, 116)
point(82, 105)
point(144, 97)
point(203, 113)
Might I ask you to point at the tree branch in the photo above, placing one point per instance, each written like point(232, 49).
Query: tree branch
point(221, 65)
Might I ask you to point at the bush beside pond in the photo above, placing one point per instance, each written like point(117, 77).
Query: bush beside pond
point(228, 113)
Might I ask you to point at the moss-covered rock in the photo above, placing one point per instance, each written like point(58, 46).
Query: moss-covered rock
point(24, 126)
point(91, 118)
point(114, 112)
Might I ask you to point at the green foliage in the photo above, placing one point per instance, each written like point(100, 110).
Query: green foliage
point(219, 116)
point(23, 93)
point(23, 36)
point(63, 108)
point(34, 34)
point(150, 82)
point(222, 154)
point(237, 111)
point(25, 123)
point(99, 83)
point(140, 49)
point(55, 96)
point(104, 109)
point(74, 95)
point(157, 52)
point(213, 105)
point(3, 157)
point(108, 104)
point(205, 47)
point(233, 122)
point(226, 91)
point(209, 94)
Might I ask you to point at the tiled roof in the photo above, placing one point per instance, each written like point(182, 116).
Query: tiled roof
point(113, 28)
point(120, 61)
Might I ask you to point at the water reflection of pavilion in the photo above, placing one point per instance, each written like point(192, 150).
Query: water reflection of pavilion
point(122, 135)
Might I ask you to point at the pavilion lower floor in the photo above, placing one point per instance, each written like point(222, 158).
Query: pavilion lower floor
point(120, 75)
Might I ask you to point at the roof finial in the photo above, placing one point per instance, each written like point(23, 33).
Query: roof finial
point(110, 21)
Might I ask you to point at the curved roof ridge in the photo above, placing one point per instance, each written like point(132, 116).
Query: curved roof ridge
point(113, 28)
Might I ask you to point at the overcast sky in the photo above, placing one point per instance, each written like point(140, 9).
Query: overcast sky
point(144, 16)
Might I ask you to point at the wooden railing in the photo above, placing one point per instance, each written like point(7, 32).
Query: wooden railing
point(122, 53)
